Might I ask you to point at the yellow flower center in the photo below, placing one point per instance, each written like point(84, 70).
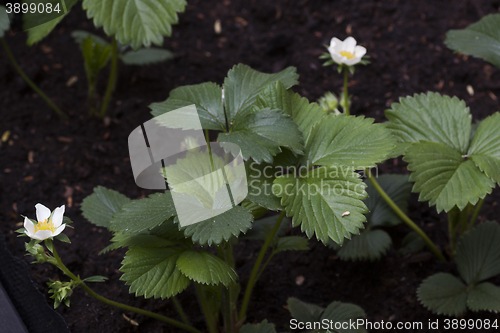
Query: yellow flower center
point(45, 225)
point(347, 54)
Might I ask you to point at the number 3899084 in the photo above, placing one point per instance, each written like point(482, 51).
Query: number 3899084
point(24, 8)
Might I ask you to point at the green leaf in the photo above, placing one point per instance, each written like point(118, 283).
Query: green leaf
point(304, 312)
point(243, 84)
point(62, 238)
point(338, 312)
point(143, 214)
point(261, 228)
point(431, 117)
point(139, 22)
point(96, 57)
point(208, 100)
point(398, 189)
point(263, 327)
point(40, 24)
point(445, 178)
point(79, 36)
point(260, 179)
point(4, 21)
point(318, 199)
point(292, 243)
point(478, 253)
point(485, 147)
point(484, 297)
point(260, 135)
point(95, 278)
point(204, 267)
point(303, 113)
point(351, 141)
point(221, 227)
point(100, 206)
point(256, 210)
point(480, 39)
point(443, 293)
point(152, 272)
point(368, 245)
point(146, 56)
point(412, 243)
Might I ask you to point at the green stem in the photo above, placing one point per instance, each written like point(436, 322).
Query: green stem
point(265, 265)
point(454, 217)
point(256, 266)
point(346, 94)
point(464, 215)
point(476, 213)
point(212, 328)
point(180, 310)
point(92, 293)
point(29, 82)
point(404, 217)
point(113, 75)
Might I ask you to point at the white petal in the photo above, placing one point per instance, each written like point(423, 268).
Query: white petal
point(42, 234)
point(349, 44)
point(337, 58)
point(42, 212)
point(352, 61)
point(359, 51)
point(57, 217)
point(29, 226)
point(334, 42)
point(59, 230)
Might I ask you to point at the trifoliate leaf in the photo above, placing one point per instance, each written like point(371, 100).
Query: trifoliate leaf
point(143, 214)
point(243, 84)
point(208, 100)
point(138, 23)
point(4, 21)
point(260, 179)
point(445, 178)
point(292, 243)
point(100, 206)
point(431, 117)
point(256, 210)
point(443, 293)
point(368, 245)
point(351, 141)
point(480, 39)
point(79, 36)
point(338, 312)
point(221, 227)
point(485, 147)
point(303, 113)
point(260, 135)
point(398, 188)
point(304, 312)
point(204, 267)
point(152, 272)
point(484, 297)
point(41, 23)
point(263, 327)
point(325, 201)
point(478, 253)
point(143, 57)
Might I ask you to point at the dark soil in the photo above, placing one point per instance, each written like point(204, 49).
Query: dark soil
point(53, 162)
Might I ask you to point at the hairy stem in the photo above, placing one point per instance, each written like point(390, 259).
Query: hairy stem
point(454, 217)
point(256, 266)
point(125, 307)
point(29, 82)
point(346, 94)
point(209, 318)
point(404, 217)
point(477, 210)
point(113, 75)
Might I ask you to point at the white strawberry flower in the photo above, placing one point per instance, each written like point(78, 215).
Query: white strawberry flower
point(346, 52)
point(49, 224)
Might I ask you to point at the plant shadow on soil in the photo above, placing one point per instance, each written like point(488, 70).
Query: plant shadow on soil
point(68, 159)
